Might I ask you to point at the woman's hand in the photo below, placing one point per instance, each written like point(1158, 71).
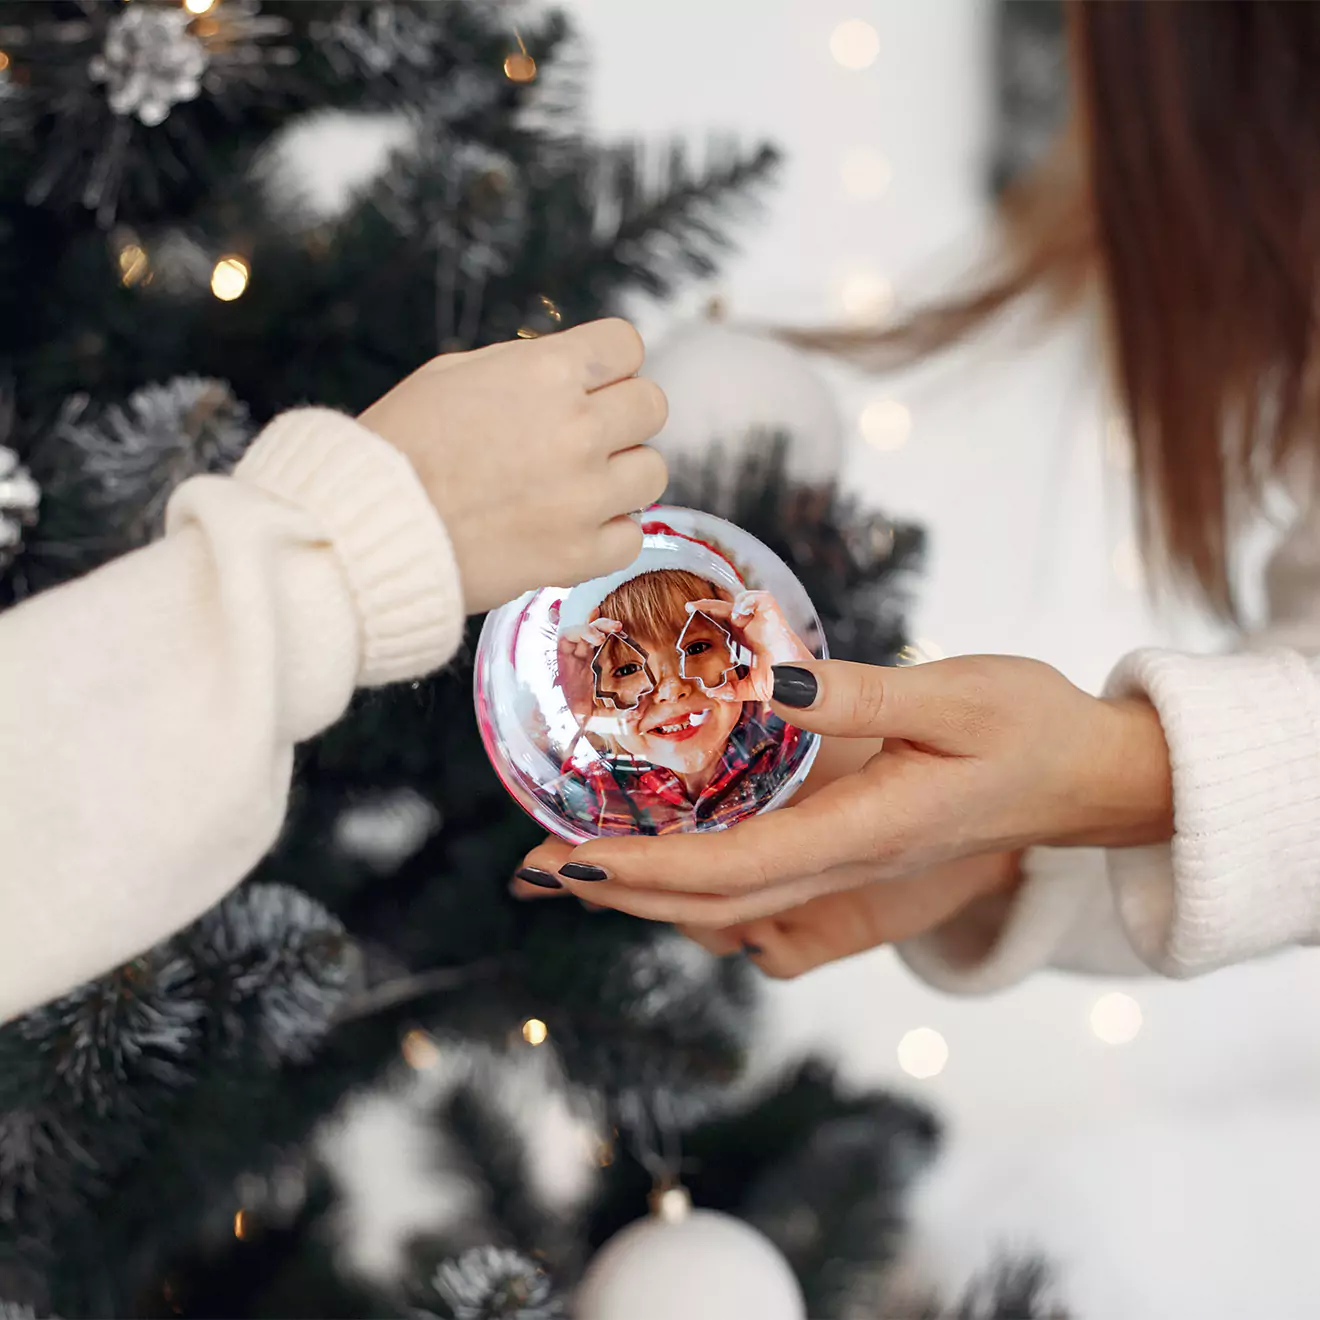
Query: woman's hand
point(966, 900)
point(533, 453)
point(980, 755)
point(755, 619)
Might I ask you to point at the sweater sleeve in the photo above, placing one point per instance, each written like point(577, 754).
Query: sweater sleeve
point(1241, 877)
point(149, 711)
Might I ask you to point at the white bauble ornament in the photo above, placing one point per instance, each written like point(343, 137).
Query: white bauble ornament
point(734, 389)
point(686, 1264)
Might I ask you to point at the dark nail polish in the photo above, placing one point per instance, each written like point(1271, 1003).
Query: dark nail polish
point(580, 871)
point(542, 879)
point(795, 687)
point(752, 950)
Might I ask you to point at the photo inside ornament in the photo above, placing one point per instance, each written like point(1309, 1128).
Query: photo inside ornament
point(639, 703)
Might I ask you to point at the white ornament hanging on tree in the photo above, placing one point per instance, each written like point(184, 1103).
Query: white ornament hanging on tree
point(731, 390)
point(687, 1264)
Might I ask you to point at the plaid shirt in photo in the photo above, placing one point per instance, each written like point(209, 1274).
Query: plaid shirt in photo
point(636, 797)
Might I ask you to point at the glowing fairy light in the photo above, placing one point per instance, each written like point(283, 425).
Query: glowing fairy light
point(922, 1053)
point(885, 424)
point(855, 44)
point(1116, 1018)
point(229, 279)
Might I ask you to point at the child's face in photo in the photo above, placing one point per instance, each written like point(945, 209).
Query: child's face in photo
point(677, 725)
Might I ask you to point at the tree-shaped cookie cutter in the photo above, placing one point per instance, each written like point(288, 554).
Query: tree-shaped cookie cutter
point(613, 697)
point(730, 647)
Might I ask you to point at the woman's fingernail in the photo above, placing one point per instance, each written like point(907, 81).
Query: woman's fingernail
point(541, 879)
point(795, 687)
point(752, 950)
point(581, 871)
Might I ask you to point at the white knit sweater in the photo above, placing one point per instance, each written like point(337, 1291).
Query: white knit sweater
point(1241, 877)
point(149, 711)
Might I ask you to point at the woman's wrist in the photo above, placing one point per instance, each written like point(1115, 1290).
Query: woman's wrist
point(1122, 789)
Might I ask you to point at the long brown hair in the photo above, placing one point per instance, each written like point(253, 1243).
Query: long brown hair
point(1188, 192)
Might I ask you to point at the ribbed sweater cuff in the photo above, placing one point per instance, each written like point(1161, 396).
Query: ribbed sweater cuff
point(393, 547)
point(1038, 925)
point(1244, 744)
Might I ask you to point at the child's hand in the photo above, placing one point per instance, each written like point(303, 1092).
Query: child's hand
point(533, 454)
point(756, 620)
point(577, 646)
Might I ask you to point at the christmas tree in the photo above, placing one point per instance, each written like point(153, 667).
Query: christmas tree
point(171, 1136)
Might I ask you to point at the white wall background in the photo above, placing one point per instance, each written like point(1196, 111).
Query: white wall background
point(1169, 1176)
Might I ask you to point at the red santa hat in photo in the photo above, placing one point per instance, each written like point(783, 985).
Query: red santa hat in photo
point(664, 548)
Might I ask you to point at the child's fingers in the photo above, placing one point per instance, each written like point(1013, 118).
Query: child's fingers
point(714, 609)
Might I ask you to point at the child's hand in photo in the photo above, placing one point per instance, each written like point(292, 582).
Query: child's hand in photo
point(577, 648)
point(756, 621)
point(534, 454)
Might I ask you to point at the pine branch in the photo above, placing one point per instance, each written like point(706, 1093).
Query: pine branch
point(660, 219)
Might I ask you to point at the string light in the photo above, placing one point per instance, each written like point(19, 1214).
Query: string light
point(4, 60)
point(419, 1051)
point(922, 1053)
point(855, 44)
point(885, 424)
point(1116, 1018)
point(240, 1225)
point(229, 279)
point(866, 173)
point(535, 1032)
point(519, 66)
point(133, 265)
point(198, 6)
point(1127, 564)
point(865, 296)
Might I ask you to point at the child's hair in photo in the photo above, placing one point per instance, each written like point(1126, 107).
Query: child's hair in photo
point(652, 606)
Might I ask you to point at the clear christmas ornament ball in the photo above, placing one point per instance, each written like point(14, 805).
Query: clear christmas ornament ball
point(638, 703)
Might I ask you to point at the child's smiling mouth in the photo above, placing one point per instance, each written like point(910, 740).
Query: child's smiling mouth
point(679, 728)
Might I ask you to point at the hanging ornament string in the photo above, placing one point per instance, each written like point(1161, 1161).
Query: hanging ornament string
point(653, 1136)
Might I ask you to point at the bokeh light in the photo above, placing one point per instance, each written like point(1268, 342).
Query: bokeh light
point(1116, 1018)
point(855, 44)
point(922, 1053)
point(229, 279)
point(885, 424)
